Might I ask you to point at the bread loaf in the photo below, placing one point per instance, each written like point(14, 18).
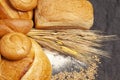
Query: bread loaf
point(15, 25)
point(8, 12)
point(51, 14)
point(34, 66)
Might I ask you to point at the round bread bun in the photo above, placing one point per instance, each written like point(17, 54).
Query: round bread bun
point(35, 66)
point(24, 5)
point(15, 46)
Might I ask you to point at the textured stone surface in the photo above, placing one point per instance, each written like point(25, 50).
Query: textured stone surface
point(107, 19)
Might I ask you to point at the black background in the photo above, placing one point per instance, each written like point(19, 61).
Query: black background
point(107, 19)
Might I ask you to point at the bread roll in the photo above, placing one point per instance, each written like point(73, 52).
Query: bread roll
point(15, 25)
point(15, 46)
point(24, 5)
point(51, 14)
point(35, 66)
point(14, 70)
point(8, 12)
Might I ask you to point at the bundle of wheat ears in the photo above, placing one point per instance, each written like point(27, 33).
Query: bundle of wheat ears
point(80, 44)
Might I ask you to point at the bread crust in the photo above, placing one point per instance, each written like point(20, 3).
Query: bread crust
point(8, 12)
point(67, 13)
point(35, 66)
point(24, 5)
point(15, 46)
point(15, 25)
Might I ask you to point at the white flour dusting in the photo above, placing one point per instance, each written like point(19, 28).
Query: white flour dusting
point(61, 63)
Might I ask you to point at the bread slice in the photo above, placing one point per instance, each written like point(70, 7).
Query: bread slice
point(51, 14)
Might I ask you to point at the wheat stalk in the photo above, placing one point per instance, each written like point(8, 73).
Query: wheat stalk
point(81, 44)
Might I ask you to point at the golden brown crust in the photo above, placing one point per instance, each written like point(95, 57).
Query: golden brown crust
point(24, 5)
point(15, 25)
point(15, 46)
point(14, 70)
point(35, 66)
point(7, 11)
point(41, 68)
point(67, 13)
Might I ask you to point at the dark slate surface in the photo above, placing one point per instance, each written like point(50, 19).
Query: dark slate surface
point(107, 19)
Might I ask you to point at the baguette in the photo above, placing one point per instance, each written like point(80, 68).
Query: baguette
point(15, 25)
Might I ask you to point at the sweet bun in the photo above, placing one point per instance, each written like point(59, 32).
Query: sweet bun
point(34, 66)
point(8, 12)
point(51, 14)
point(15, 46)
point(24, 5)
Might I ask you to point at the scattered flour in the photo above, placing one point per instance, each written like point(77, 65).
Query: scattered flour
point(61, 62)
